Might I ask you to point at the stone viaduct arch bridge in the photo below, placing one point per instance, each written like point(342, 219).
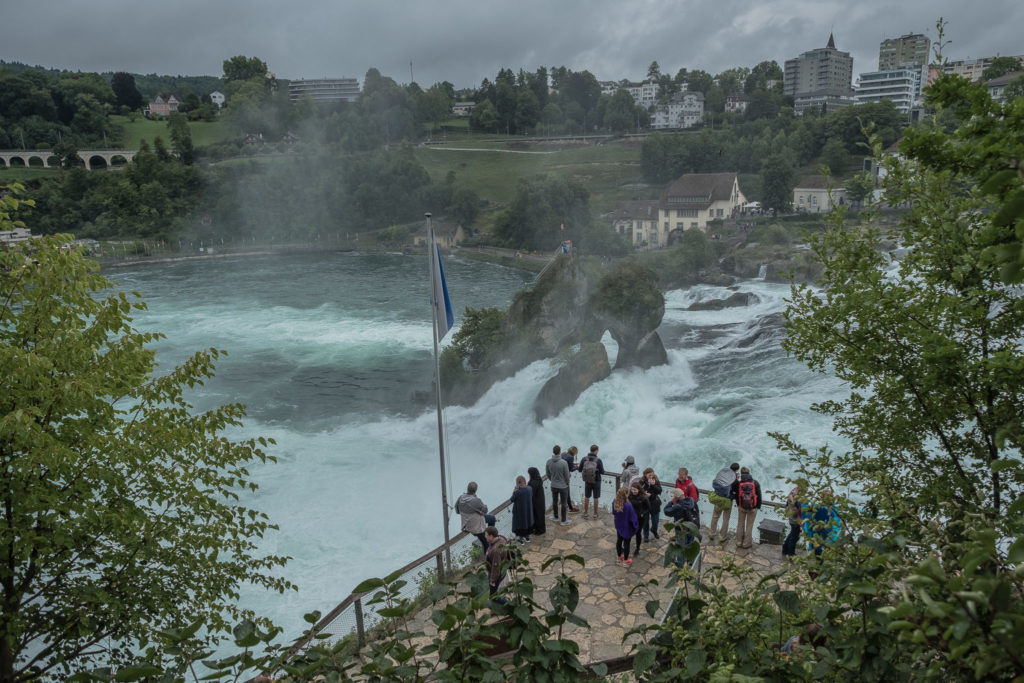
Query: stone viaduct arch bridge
point(44, 158)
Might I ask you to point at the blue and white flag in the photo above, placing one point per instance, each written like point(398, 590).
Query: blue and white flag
point(443, 316)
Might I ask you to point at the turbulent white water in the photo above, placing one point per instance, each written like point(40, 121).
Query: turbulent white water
point(328, 350)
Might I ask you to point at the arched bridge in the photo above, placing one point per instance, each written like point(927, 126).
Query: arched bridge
point(45, 158)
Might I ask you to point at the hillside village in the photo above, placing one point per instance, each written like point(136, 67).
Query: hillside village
point(258, 114)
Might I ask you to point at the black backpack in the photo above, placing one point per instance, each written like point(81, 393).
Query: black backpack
point(747, 497)
point(589, 469)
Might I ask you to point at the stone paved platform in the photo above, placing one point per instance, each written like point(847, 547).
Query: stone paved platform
point(605, 600)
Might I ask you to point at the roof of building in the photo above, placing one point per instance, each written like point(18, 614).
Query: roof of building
point(1004, 79)
point(817, 182)
point(637, 208)
point(831, 41)
point(698, 190)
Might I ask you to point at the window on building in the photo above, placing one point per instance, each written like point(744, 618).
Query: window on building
point(693, 224)
point(720, 213)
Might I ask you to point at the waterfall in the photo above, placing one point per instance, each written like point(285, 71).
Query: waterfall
point(762, 272)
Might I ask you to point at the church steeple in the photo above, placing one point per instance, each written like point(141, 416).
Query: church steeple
point(831, 42)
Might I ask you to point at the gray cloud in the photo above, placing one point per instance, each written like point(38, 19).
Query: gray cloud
point(466, 41)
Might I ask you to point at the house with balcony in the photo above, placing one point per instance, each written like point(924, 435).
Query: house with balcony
point(695, 199)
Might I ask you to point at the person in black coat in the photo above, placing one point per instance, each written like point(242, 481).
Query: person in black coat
point(539, 507)
point(522, 510)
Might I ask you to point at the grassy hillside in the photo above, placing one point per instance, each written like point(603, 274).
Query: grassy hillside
point(610, 172)
point(203, 132)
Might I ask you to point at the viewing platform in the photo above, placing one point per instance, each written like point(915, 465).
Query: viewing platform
point(606, 602)
point(610, 601)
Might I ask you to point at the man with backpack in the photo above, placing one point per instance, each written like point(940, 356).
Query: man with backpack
point(721, 497)
point(591, 468)
point(746, 492)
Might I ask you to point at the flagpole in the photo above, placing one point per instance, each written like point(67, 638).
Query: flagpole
point(435, 309)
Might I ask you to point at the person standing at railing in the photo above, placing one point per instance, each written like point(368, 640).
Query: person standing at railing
point(721, 498)
point(474, 514)
point(536, 485)
point(794, 512)
point(569, 456)
point(522, 510)
point(626, 525)
point(629, 472)
point(746, 492)
point(558, 475)
point(591, 469)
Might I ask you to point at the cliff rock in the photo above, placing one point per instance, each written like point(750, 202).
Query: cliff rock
point(585, 367)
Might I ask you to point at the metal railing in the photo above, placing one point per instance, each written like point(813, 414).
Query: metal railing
point(351, 616)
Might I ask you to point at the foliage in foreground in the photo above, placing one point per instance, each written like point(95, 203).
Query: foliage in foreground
point(120, 504)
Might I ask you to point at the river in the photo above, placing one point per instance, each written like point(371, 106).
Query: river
point(329, 350)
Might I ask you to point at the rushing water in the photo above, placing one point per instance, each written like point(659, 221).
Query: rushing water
point(328, 352)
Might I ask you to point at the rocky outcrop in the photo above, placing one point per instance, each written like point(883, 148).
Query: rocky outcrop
point(733, 301)
point(585, 367)
point(562, 310)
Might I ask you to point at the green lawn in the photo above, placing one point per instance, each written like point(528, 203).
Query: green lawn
point(203, 132)
point(611, 172)
point(23, 174)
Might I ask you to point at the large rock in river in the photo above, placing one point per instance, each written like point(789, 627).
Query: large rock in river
point(587, 365)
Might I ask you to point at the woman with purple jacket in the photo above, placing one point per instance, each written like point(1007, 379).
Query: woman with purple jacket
point(626, 525)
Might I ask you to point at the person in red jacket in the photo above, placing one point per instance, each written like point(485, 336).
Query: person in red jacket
point(685, 482)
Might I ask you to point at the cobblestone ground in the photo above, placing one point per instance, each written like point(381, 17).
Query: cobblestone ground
point(605, 600)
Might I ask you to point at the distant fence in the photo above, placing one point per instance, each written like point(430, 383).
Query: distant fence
point(351, 618)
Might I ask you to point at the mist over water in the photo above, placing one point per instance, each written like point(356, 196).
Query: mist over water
point(328, 350)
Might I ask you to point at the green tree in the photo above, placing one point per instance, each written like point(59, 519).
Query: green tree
point(630, 292)
point(527, 111)
point(835, 157)
point(760, 75)
point(120, 513)
point(540, 208)
point(1000, 66)
point(181, 137)
point(1014, 89)
point(654, 72)
point(484, 117)
point(240, 68)
point(778, 180)
point(860, 186)
point(620, 116)
point(125, 92)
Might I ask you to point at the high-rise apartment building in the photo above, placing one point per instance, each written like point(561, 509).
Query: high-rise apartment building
point(819, 78)
point(902, 86)
point(913, 49)
point(324, 89)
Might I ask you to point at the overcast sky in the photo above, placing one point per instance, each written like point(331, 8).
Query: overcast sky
point(465, 41)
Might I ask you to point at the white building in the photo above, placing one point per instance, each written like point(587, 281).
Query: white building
point(902, 85)
point(217, 97)
point(324, 89)
point(684, 110)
